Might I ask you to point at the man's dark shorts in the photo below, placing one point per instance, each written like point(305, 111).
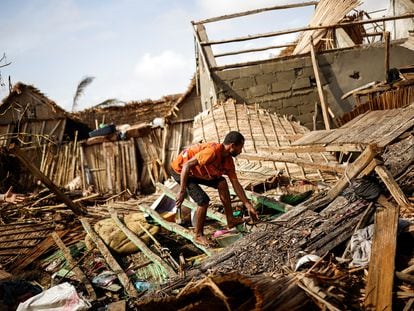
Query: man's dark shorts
point(194, 189)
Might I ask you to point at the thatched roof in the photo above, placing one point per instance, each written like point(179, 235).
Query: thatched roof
point(20, 88)
point(133, 112)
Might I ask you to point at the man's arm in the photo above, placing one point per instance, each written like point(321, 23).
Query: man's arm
point(242, 195)
point(183, 180)
point(11, 197)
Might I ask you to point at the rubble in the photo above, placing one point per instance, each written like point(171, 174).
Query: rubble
point(99, 220)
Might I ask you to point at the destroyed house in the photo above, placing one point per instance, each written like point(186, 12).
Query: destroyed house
point(307, 77)
point(328, 163)
point(29, 114)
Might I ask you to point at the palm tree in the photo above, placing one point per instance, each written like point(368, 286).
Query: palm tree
point(80, 89)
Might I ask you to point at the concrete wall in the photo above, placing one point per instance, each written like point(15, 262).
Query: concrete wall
point(288, 86)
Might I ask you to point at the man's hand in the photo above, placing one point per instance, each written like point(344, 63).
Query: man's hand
point(11, 197)
point(252, 212)
point(180, 199)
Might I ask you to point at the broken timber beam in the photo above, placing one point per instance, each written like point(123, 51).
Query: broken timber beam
point(141, 245)
point(170, 226)
point(45, 180)
point(353, 170)
point(378, 291)
point(113, 264)
point(392, 186)
point(79, 273)
point(193, 206)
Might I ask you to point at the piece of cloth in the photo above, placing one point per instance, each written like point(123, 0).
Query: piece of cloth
point(195, 191)
point(211, 164)
point(360, 249)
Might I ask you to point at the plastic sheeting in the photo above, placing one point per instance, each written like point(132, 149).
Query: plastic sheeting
point(62, 297)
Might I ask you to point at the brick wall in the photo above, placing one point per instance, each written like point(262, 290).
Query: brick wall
point(288, 86)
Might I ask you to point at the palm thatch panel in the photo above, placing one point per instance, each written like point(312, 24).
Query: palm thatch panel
point(264, 133)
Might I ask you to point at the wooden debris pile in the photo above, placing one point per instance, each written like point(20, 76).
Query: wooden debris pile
point(369, 192)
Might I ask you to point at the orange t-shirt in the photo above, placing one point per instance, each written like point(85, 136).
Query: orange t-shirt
point(211, 163)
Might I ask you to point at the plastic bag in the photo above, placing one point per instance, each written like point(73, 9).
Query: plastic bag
point(62, 297)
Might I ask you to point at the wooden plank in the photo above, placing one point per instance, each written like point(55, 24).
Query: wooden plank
point(311, 138)
point(404, 126)
point(379, 288)
point(392, 186)
point(324, 105)
point(72, 263)
point(113, 264)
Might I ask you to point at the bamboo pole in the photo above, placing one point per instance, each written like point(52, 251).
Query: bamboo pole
point(113, 264)
point(141, 245)
point(46, 181)
point(170, 226)
point(79, 273)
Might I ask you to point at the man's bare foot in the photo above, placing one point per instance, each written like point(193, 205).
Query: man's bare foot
point(235, 221)
point(202, 240)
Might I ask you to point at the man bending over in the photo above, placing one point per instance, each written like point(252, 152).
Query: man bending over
point(205, 164)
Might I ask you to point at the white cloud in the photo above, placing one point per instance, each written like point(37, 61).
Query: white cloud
point(165, 64)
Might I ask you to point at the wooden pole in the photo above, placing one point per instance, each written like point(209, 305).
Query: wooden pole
point(46, 181)
point(255, 50)
point(79, 273)
point(272, 8)
point(387, 52)
point(141, 245)
point(319, 86)
point(309, 28)
point(113, 264)
point(170, 226)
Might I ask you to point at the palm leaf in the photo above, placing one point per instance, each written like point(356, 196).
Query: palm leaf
point(80, 89)
point(108, 102)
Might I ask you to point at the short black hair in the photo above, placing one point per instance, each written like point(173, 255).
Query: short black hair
point(234, 137)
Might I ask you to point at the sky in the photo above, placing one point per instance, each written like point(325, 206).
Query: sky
point(134, 49)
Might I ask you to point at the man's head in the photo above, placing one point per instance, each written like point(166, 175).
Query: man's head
point(235, 141)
